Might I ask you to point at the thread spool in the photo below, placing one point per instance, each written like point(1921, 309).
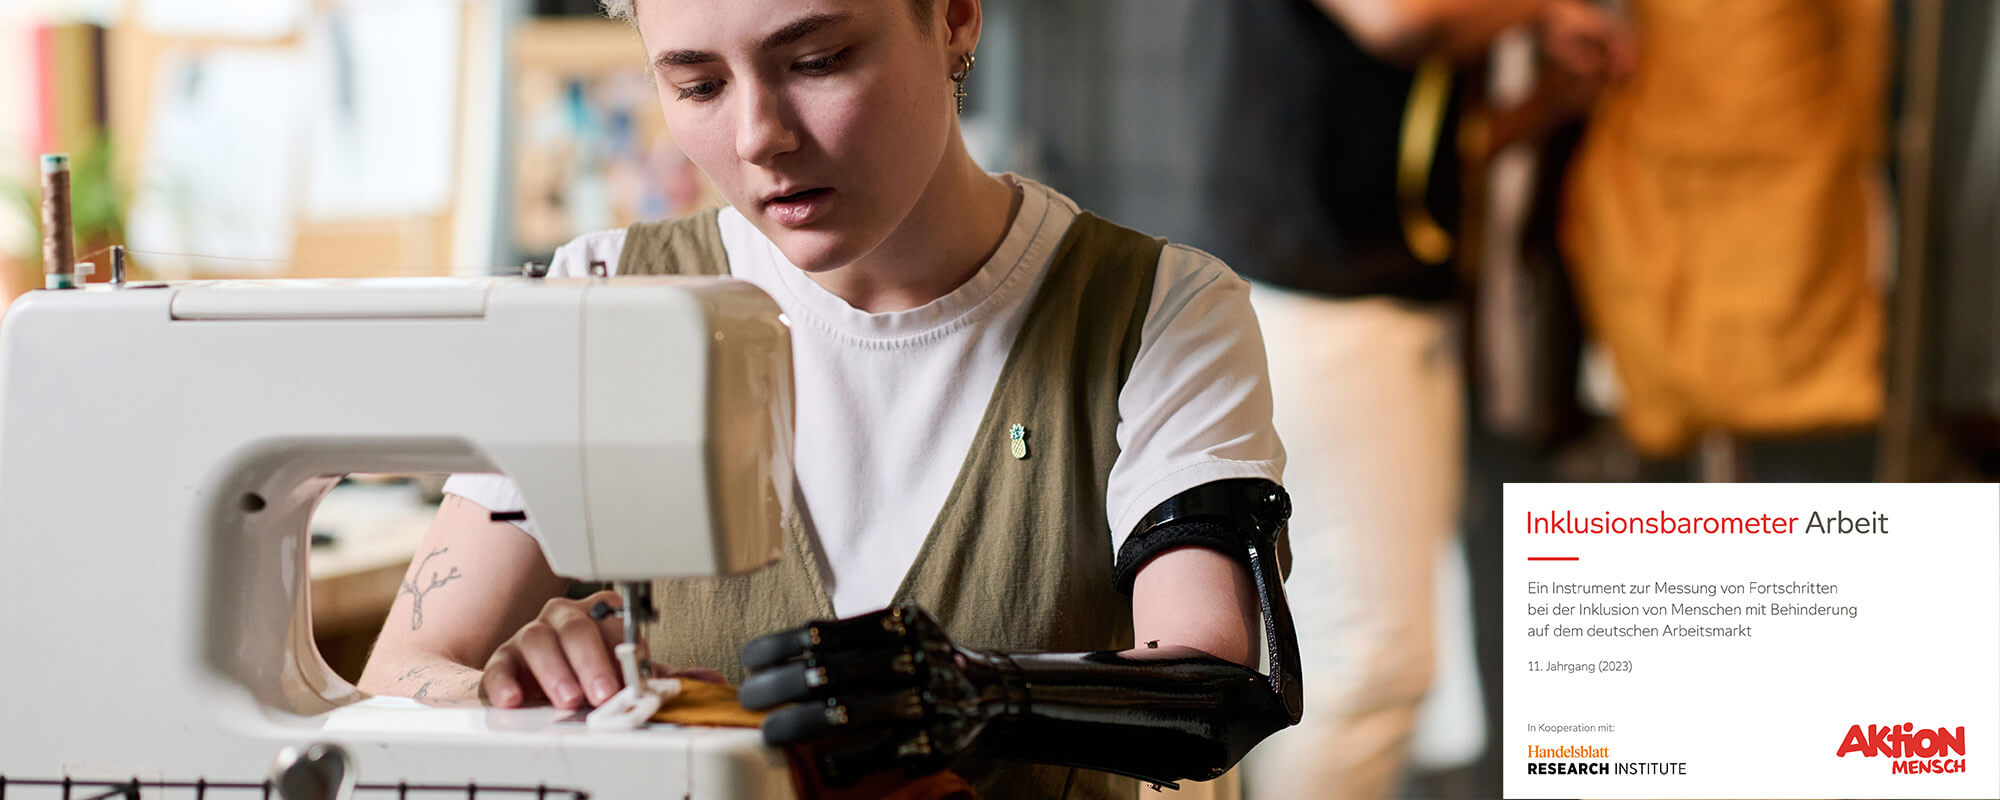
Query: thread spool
point(58, 232)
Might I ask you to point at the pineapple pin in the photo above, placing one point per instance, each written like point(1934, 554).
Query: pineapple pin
point(1018, 439)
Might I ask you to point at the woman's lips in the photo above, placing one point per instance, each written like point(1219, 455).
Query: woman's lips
point(801, 208)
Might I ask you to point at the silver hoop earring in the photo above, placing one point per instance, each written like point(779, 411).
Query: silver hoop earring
point(964, 70)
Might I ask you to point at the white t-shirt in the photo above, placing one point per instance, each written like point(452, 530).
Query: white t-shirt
point(888, 403)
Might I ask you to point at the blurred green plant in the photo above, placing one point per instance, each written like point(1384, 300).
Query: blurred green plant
point(97, 208)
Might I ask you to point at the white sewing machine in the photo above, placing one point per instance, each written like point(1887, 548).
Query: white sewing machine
point(162, 449)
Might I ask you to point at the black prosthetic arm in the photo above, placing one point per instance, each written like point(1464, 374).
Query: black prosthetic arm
point(890, 689)
point(1161, 715)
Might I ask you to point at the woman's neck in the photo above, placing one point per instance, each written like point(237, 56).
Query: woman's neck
point(954, 229)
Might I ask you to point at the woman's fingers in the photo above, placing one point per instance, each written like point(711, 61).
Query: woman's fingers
point(546, 661)
point(611, 634)
point(582, 640)
point(500, 683)
point(565, 655)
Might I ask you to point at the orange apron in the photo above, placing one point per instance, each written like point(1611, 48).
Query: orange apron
point(1718, 217)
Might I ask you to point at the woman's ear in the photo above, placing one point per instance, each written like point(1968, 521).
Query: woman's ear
point(961, 25)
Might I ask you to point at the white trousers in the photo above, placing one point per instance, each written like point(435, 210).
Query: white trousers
point(1369, 404)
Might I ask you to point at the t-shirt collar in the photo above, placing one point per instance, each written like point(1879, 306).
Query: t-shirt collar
point(970, 300)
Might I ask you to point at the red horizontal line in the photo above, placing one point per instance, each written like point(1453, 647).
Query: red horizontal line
point(1551, 558)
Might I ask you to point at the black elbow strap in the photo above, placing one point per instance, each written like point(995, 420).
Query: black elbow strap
point(1228, 516)
point(1140, 550)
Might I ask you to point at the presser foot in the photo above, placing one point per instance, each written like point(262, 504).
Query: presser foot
point(633, 706)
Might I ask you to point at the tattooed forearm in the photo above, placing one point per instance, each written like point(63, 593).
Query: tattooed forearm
point(439, 681)
point(416, 594)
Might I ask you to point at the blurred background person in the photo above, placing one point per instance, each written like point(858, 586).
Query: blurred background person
point(1725, 221)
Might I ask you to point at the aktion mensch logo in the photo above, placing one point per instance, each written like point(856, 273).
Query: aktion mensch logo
point(1916, 752)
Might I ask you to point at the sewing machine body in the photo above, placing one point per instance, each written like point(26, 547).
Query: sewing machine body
point(162, 449)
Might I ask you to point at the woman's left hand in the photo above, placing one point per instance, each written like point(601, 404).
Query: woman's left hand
point(872, 692)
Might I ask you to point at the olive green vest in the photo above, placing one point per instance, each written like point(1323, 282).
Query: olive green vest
point(1020, 556)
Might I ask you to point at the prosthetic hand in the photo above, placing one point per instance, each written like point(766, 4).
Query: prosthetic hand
point(889, 689)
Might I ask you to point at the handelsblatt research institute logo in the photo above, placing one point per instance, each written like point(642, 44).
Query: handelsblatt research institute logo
point(1915, 752)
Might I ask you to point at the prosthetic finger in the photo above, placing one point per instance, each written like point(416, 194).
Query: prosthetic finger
point(772, 649)
point(822, 674)
point(808, 722)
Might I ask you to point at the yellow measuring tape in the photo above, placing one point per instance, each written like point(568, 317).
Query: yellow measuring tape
point(1423, 121)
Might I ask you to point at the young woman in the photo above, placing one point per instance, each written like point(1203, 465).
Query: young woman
point(1011, 416)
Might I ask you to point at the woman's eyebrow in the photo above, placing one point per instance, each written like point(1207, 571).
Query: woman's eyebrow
point(801, 28)
point(682, 58)
point(793, 31)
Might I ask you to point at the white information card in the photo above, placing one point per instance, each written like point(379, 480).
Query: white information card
point(1751, 641)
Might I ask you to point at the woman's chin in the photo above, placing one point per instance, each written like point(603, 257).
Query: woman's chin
point(815, 251)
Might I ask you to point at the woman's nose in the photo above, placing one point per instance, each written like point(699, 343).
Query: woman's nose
point(765, 130)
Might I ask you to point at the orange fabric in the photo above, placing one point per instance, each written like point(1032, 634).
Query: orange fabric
point(1717, 218)
point(714, 705)
point(711, 705)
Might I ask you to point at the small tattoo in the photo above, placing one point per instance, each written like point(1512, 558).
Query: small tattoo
point(415, 671)
point(422, 691)
point(417, 595)
point(1153, 645)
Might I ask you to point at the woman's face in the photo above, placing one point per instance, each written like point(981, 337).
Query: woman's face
point(822, 121)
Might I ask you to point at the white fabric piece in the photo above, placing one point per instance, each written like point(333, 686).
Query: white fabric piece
point(888, 403)
point(1369, 401)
